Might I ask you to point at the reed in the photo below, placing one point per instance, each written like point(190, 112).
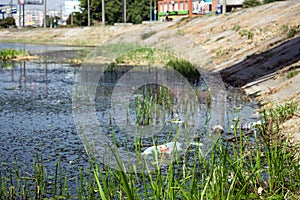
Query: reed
point(148, 105)
point(263, 166)
point(11, 54)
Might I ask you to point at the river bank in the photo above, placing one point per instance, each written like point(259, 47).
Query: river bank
point(253, 49)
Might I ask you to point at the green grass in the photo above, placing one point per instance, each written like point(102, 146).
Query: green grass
point(246, 33)
point(236, 27)
point(146, 55)
point(184, 67)
point(151, 103)
point(292, 74)
point(292, 32)
point(147, 35)
point(232, 170)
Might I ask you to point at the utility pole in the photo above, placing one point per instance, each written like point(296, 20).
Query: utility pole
point(11, 15)
point(89, 14)
point(224, 7)
point(23, 8)
point(150, 10)
point(103, 13)
point(45, 13)
point(155, 10)
point(124, 11)
point(20, 14)
point(71, 18)
point(61, 12)
point(190, 8)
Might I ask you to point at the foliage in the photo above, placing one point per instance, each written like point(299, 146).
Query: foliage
point(251, 3)
point(144, 55)
point(7, 22)
point(148, 34)
point(136, 11)
point(236, 27)
point(270, 1)
point(184, 67)
point(264, 166)
point(246, 33)
point(292, 33)
point(147, 110)
point(10, 54)
point(290, 30)
point(292, 74)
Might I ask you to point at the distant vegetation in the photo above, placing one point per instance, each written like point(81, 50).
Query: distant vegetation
point(7, 22)
point(137, 11)
point(253, 3)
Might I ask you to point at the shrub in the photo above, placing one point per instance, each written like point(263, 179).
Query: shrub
point(246, 33)
point(7, 22)
point(251, 3)
point(269, 1)
point(148, 34)
point(292, 74)
point(292, 33)
point(184, 67)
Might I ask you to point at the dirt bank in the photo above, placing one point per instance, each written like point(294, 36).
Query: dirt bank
point(257, 49)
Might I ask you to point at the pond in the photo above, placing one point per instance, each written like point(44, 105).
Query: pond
point(37, 112)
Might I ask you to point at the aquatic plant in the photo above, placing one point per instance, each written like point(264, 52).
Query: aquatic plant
point(184, 67)
point(263, 166)
point(147, 104)
point(10, 54)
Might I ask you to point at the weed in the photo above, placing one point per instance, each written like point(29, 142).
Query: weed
point(221, 52)
point(220, 38)
point(180, 32)
point(236, 27)
point(10, 54)
point(148, 35)
point(184, 67)
point(292, 33)
point(251, 3)
point(284, 28)
point(145, 105)
point(263, 167)
point(246, 33)
point(292, 74)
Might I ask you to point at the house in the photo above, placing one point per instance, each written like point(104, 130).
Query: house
point(182, 8)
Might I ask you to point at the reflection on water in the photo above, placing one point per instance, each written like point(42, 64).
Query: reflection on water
point(36, 116)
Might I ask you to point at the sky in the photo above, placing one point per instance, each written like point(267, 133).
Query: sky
point(51, 4)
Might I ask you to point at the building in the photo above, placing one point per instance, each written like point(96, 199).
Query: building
point(178, 9)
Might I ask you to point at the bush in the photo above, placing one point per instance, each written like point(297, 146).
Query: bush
point(251, 3)
point(269, 1)
point(7, 22)
point(292, 33)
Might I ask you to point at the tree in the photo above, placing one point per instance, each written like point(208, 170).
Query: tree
point(8, 22)
point(137, 11)
point(251, 3)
